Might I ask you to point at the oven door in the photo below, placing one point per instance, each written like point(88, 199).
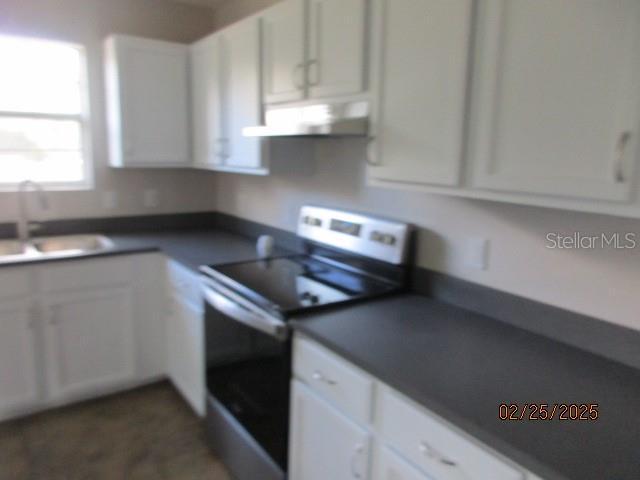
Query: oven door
point(248, 369)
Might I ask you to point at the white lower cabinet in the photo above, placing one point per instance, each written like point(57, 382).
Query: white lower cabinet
point(79, 329)
point(89, 339)
point(400, 441)
point(18, 374)
point(325, 444)
point(185, 335)
point(391, 466)
point(438, 449)
point(186, 352)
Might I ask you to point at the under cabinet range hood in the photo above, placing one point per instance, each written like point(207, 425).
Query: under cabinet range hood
point(317, 119)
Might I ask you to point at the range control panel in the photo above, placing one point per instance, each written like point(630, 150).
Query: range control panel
point(369, 236)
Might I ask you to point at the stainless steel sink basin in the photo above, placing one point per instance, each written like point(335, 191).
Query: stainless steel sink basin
point(68, 245)
point(71, 244)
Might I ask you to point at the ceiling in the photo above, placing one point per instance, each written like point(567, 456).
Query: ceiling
point(202, 3)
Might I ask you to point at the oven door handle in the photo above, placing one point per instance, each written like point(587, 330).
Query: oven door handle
point(271, 326)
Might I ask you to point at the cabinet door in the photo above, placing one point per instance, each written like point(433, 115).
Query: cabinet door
point(242, 97)
point(185, 337)
point(390, 466)
point(557, 102)
point(18, 375)
point(336, 47)
point(89, 339)
point(283, 42)
point(323, 443)
point(206, 98)
point(420, 70)
point(147, 90)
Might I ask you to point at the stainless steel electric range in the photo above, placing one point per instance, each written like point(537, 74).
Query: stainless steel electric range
point(348, 258)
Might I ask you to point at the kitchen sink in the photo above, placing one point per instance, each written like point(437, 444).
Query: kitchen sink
point(14, 250)
point(72, 244)
point(11, 248)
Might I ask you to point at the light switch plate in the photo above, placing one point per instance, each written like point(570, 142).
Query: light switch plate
point(109, 200)
point(151, 199)
point(477, 253)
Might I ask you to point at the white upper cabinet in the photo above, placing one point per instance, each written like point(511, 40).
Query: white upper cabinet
point(337, 34)
point(556, 97)
point(206, 102)
point(242, 98)
point(283, 44)
point(314, 49)
point(226, 97)
point(147, 101)
point(421, 57)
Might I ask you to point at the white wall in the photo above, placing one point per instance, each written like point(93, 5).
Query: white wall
point(87, 22)
point(602, 283)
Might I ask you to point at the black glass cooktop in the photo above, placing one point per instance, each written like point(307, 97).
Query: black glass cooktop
point(300, 282)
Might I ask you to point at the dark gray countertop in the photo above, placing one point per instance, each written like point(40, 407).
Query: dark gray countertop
point(459, 364)
point(194, 248)
point(190, 247)
point(462, 365)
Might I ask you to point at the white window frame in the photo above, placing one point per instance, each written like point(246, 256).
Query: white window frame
point(83, 119)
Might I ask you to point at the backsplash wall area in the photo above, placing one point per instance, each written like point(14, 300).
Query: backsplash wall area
point(601, 282)
point(88, 22)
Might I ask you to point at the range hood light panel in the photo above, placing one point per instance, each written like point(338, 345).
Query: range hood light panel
point(327, 119)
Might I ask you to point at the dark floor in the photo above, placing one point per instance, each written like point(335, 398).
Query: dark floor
point(149, 433)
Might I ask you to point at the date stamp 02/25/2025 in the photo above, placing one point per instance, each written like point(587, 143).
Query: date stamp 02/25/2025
point(520, 412)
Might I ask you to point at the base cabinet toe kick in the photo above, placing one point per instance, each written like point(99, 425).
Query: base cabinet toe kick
point(346, 424)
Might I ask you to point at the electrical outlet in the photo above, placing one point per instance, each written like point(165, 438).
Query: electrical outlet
point(109, 200)
point(477, 253)
point(151, 199)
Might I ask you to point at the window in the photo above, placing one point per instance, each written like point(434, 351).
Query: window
point(43, 114)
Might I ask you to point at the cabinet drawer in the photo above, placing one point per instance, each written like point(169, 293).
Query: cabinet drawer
point(184, 283)
point(434, 446)
point(14, 282)
point(392, 467)
point(83, 274)
point(343, 384)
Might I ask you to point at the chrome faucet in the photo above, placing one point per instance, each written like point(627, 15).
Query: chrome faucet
point(24, 226)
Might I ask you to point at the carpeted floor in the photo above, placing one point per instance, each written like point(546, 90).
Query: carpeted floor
point(145, 434)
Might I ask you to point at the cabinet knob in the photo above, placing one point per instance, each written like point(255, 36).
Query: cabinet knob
point(317, 375)
point(370, 153)
point(357, 453)
point(430, 452)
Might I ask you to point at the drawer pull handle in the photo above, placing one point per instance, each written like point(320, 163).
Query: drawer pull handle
point(358, 451)
point(620, 152)
point(298, 74)
point(313, 71)
point(428, 451)
point(321, 378)
point(370, 156)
